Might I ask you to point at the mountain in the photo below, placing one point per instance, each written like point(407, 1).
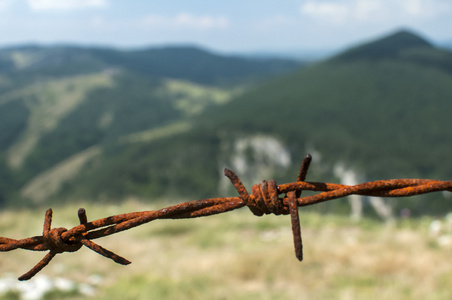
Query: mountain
point(60, 105)
point(178, 62)
point(380, 110)
point(389, 47)
point(402, 45)
point(379, 115)
point(382, 118)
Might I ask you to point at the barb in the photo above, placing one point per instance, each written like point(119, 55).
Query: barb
point(267, 198)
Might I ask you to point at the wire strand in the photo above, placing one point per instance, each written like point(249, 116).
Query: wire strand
point(267, 198)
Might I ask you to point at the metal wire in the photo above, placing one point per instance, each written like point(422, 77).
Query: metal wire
point(267, 198)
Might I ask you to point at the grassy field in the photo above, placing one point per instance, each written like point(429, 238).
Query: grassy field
point(239, 256)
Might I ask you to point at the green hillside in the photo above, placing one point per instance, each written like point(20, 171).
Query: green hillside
point(388, 47)
point(384, 118)
point(403, 46)
point(391, 115)
point(62, 106)
point(380, 110)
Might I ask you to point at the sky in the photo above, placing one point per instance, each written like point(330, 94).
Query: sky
point(228, 26)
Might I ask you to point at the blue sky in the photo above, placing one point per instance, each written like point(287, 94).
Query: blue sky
point(233, 25)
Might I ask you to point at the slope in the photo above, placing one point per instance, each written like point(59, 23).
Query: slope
point(57, 102)
point(402, 45)
point(389, 47)
point(383, 118)
point(389, 116)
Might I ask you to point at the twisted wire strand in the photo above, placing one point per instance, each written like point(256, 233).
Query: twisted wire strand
point(266, 198)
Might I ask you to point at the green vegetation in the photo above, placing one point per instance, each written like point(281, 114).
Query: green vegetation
point(13, 120)
point(165, 121)
point(49, 103)
point(57, 102)
point(386, 118)
point(391, 46)
point(394, 111)
point(180, 164)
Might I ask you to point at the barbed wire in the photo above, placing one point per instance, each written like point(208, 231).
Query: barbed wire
point(266, 198)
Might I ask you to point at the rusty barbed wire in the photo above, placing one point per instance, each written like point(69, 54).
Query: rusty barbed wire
point(266, 198)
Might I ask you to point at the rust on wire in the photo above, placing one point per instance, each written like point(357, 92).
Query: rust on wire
point(267, 198)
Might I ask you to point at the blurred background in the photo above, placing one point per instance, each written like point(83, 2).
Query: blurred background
point(135, 105)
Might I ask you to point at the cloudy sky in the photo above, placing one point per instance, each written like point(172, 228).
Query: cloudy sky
point(232, 25)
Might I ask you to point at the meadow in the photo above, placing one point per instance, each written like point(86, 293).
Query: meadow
point(239, 256)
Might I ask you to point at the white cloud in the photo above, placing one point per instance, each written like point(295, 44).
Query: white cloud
point(43, 5)
point(331, 11)
point(344, 11)
point(186, 20)
point(365, 9)
point(425, 8)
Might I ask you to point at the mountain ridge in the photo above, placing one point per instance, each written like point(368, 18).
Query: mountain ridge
point(388, 46)
point(43, 127)
point(385, 118)
point(181, 62)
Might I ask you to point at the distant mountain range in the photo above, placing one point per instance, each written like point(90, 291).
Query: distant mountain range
point(186, 63)
point(85, 123)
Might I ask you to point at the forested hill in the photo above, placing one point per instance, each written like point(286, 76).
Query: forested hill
point(388, 116)
point(184, 62)
point(402, 46)
point(381, 110)
point(392, 47)
point(60, 105)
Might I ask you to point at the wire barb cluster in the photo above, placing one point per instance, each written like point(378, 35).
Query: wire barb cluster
point(266, 198)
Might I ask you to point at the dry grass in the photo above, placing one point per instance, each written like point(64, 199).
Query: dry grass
point(239, 256)
point(192, 98)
